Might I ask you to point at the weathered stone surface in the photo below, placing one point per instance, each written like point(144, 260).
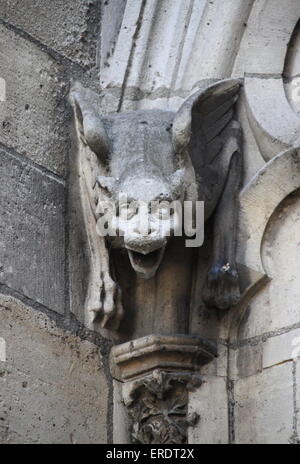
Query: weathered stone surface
point(121, 429)
point(112, 17)
point(218, 366)
point(292, 70)
point(174, 354)
point(249, 361)
point(52, 386)
point(2, 90)
point(33, 117)
point(269, 29)
point(264, 407)
point(157, 405)
point(153, 76)
point(264, 98)
point(210, 402)
point(68, 26)
point(158, 372)
point(292, 61)
point(297, 391)
point(32, 232)
point(282, 348)
point(277, 304)
point(292, 89)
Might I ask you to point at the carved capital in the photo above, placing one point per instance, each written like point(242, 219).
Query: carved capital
point(158, 407)
point(157, 373)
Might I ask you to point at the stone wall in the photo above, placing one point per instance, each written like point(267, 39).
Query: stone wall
point(55, 385)
point(54, 378)
point(266, 381)
point(251, 392)
point(50, 381)
point(257, 372)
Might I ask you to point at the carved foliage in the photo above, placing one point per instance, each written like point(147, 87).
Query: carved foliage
point(158, 408)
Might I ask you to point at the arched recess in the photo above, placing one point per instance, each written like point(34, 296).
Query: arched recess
point(259, 199)
point(259, 203)
point(291, 73)
point(268, 58)
point(272, 101)
point(276, 306)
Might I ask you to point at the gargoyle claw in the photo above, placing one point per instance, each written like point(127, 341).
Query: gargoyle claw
point(221, 289)
point(106, 306)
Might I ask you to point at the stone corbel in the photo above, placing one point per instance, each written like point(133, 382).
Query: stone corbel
point(157, 373)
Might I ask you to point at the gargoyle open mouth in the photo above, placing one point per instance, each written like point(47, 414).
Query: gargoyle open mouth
point(146, 265)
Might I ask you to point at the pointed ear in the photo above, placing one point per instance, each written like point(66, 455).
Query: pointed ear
point(203, 116)
point(91, 128)
point(182, 129)
point(107, 183)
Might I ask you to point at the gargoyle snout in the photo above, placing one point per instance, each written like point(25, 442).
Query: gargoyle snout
point(144, 244)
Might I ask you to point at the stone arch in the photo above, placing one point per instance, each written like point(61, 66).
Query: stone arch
point(259, 200)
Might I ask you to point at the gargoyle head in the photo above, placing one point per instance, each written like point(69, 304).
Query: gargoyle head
point(144, 213)
point(146, 174)
point(140, 178)
point(144, 188)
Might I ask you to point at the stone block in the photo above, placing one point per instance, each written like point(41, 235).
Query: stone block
point(112, 18)
point(67, 26)
point(282, 348)
point(276, 306)
point(33, 117)
point(264, 407)
point(160, 77)
point(267, 34)
point(292, 89)
point(296, 412)
point(52, 386)
point(249, 360)
point(264, 98)
point(120, 418)
point(210, 402)
point(245, 361)
point(32, 232)
point(218, 366)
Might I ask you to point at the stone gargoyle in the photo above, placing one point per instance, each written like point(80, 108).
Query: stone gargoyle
point(149, 155)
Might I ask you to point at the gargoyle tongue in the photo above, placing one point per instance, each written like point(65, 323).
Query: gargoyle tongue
point(146, 265)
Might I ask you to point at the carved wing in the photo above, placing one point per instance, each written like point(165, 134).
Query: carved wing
point(205, 121)
point(103, 306)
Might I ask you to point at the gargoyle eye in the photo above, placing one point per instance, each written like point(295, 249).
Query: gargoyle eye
point(127, 210)
point(163, 210)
